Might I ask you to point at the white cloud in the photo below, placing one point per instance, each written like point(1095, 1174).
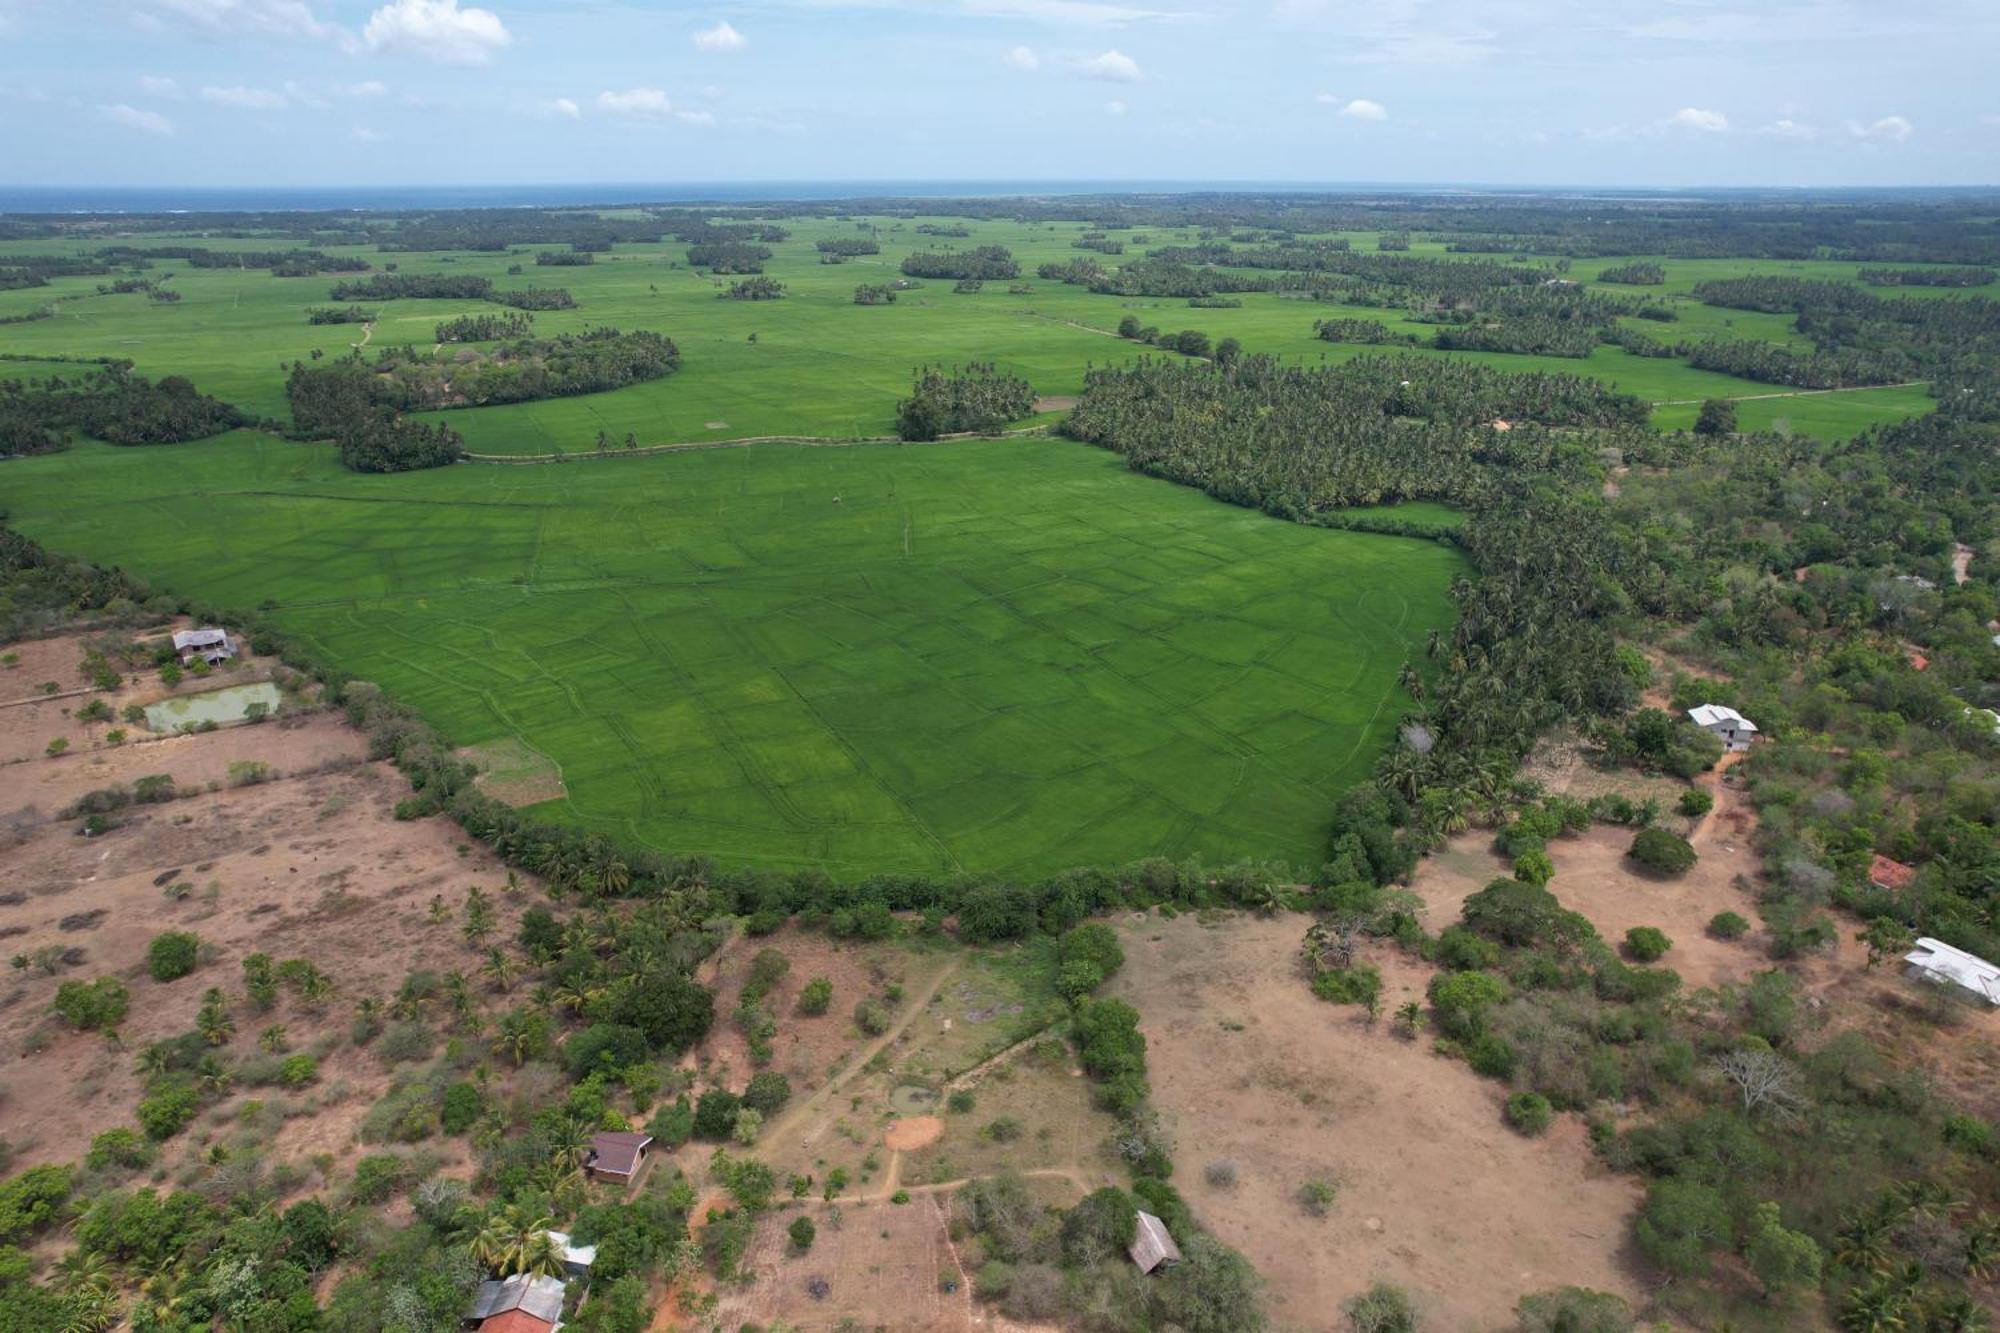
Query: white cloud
point(436, 30)
point(1363, 109)
point(367, 88)
point(154, 86)
point(1889, 129)
point(1024, 59)
point(1072, 13)
point(1698, 120)
point(702, 118)
point(722, 37)
point(246, 99)
point(636, 104)
point(1112, 66)
point(561, 107)
point(258, 18)
point(1787, 128)
point(362, 134)
point(132, 118)
point(1326, 99)
point(1115, 107)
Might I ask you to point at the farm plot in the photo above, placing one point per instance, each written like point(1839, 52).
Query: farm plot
point(1005, 657)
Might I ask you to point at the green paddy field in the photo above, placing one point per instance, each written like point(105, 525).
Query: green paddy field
point(1004, 656)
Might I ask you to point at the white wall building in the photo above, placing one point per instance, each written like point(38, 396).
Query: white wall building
point(1726, 724)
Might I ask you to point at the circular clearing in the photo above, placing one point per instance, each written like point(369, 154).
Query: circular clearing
point(912, 1099)
point(918, 1131)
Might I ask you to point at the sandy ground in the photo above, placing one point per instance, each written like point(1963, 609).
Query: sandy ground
point(311, 864)
point(1436, 1193)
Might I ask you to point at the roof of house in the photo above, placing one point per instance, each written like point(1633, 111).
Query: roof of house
point(617, 1151)
point(541, 1297)
point(1709, 715)
point(583, 1256)
point(200, 638)
point(1890, 874)
point(1941, 960)
point(518, 1321)
point(1152, 1244)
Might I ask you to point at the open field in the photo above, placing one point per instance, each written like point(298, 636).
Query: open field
point(989, 656)
point(814, 363)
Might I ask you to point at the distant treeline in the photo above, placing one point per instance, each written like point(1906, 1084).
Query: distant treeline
point(728, 257)
point(282, 263)
point(1635, 275)
point(339, 314)
point(848, 247)
point(1927, 277)
point(485, 328)
point(449, 287)
point(1858, 337)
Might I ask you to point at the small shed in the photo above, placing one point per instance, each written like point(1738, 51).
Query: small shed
point(1941, 964)
point(616, 1155)
point(210, 645)
point(1152, 1244)
point(517, 1304)
point(1889, 874)
point(1725, 724)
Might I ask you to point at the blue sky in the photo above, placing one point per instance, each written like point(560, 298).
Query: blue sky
point(404, 92)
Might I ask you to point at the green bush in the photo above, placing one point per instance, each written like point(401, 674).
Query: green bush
point(1530, 1113)
point(32, 1199)
point(90, 1005)
point(298, 1070)
point(1359, 984)
point(118, 1148)
point(715, 1114)
point(1728, 926)
point(1573, 1310)
point(167, 1111)
point(1381, 1309)
point(603, 1047)
point(767, 1092)
point(1647, 944)
point(803, 1233)
point(378, 1177)
point(816, 997)
point(1657, 849)
point(463, 1104)
point(673, 1125)
point(1694, 802)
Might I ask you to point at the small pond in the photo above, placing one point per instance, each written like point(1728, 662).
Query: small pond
point(221, 707)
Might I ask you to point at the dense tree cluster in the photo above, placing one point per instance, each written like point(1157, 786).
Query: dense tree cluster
point(874, 293)
point(1359, 331)
point(1928, 277)
point(847, 247)
point(753, 289)
point(565, 259)
point(985, 262)
point(975, 397)
point(728, 257)
point(485, 328)
point(1644, 273)
point(113, 405)
point(416, 379)
point(415, 286)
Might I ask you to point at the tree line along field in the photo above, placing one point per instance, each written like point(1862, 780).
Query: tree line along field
point(988, 656)
point(814, 363)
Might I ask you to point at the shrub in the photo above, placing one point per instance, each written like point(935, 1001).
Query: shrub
point(803, 1233)
point(30, 1200)
point(173, 955)
point(816, 998)
point(674, 1125)
point(715, 1114)
point(298, 1070)
point(118, 1148)
point(89, 1005)
point(1530, 1113)
point(1534, 867)
point(1360, 984)
point(463, 1105)
point(1002, 1129)
point(378, 1177)
point(1573, 1310)
point(673, 1011)
point(873, 1016)
point(1647, 944)
point(960, 1102)
point(1220, 1173)
point(1316, 1197)
point(1381, 1309)
point(603, 1046)
point(1728, 926)
point(404, 1042)
point(167, 1111)
point(1694, 802)
point(1657, 849)
point(767, 1092)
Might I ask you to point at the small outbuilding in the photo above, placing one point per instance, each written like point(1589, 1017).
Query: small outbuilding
point(616, 1155)
point(577, 1259)
point(1725, 724)
point(208, 645)
point(1889, 874)
point(517, 1304)
point(1153, 1245)
point(1941, 964)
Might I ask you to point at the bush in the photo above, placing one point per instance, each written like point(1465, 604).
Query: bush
point(118, 1148)
point(602, 1047)
point(673, 1125)
point(377, 1178)
point(173, 955)
point(298, 1070)
point(960, 1102)
point(30, 1200)
point(767, 1092)
point(1530, 1113)
point(873, 1016)
point(803, 1233)
point(1316, 1197)
point(1694, 802)
point(1646, 944)
point(89, 1005)
point(1360, 984)
point(1657, 849)
point(816, 998)
point(1381, 1309)
point(167, 1112)
point(463, 1105)
point(1728, 926)
point(1573, 1310)
point(715, 1114)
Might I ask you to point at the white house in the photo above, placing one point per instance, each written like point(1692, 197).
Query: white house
point(1937, 962)
point(1725, 724)
point(209, 645)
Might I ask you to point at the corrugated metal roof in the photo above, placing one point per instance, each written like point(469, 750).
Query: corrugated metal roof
point(1937, 959)
point(1707, 715)
point(1153, 1244)
point(541, 1297)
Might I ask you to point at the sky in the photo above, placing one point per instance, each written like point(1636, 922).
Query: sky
point(315, 93)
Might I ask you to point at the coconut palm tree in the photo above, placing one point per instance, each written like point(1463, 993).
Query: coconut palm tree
point(499, 969)
point(542, 1256)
